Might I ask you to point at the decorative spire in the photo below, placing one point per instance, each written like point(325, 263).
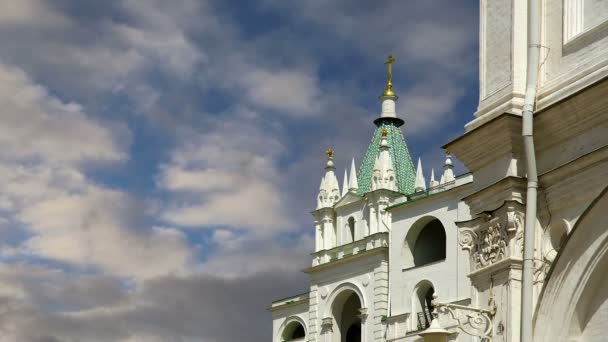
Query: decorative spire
point(352, 181)
point(433, 182)
point(345, 184)
point(320, 197)
point(383, 174)
point(420, 181)
point(388, 98)
point(389, 83)
point(329, 192)
point(448, 172)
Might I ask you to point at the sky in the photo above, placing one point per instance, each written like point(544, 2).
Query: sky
point(159, 159)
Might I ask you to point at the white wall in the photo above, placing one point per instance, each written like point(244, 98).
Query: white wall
point(449, 277)
point(280, 318)
point(575, 54)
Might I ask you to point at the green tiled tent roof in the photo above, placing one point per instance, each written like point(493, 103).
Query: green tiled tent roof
point(400, 155)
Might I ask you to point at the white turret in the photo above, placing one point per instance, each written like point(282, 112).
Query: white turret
point(448, 172)
point(433, 182)
point(383, 174)
point(353, 185)
point(420, 184)
point(329, 192)
point(345, 184)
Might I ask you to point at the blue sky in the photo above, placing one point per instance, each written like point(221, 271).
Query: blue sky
point(159, 160)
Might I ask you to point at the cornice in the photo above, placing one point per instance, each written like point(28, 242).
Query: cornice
point(348, 259)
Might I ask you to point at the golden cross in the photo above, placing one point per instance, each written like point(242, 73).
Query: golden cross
point(329, 152)
point(390, 62)
point(389, 84)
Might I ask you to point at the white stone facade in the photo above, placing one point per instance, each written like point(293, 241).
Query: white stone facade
point(381, 256)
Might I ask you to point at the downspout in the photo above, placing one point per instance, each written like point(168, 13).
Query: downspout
point(532, 175)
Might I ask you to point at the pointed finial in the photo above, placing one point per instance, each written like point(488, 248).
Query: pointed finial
point(330, 158)
point(329, 192)
point(345, 184)
point(448, 158)
point(389, 83)
point(420, 184)
point(433, 182)
point(448, 172)
point(353, 185)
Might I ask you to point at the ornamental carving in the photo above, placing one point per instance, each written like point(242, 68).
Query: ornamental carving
point(472, 321)
point(495, 237)
point(492, 245)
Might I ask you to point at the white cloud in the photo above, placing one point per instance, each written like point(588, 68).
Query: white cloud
point(44, 191)
point(289, 92)
point(82, 56)
point(37, 125)
point(25, 11)
point(244, 255)
point(226, 177)
point(424, 110)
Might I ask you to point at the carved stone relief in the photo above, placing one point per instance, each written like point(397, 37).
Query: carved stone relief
point(493, 237)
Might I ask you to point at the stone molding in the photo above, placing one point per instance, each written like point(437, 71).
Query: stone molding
point(327, 324)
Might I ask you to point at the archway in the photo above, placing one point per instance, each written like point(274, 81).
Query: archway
point(346, 313)
point(425, 242)
point(293, 331)
point(351, 229)
point(574, 302)
point(422, 308)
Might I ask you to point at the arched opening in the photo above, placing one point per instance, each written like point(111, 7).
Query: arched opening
point(351, 228)
point(346, 312)
point(422, 305)
point(425, 243)
point(294, 331)
point(430, 244)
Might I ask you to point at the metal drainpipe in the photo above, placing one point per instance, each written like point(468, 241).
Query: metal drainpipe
point(532, 175)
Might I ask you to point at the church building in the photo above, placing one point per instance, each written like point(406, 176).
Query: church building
point(514, 250)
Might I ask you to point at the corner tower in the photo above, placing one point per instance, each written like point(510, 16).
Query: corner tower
point(388, 122)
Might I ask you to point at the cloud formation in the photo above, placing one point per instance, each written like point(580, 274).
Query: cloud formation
point(226, 177)
point(67, 217)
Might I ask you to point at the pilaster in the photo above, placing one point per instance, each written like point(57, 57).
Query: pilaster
point(502, 59)
point(313, 317)
point(494, 241)
point(381, 289)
